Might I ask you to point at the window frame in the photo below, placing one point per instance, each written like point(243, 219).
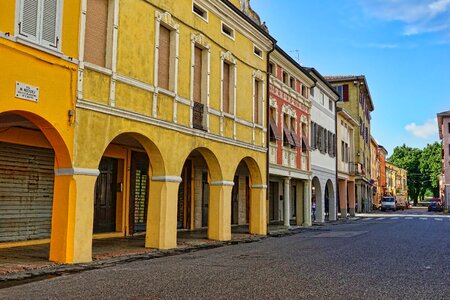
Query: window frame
point(199, 7)
point(228, 58)
point(233, 32)
point(257, 49)
point(37, 40)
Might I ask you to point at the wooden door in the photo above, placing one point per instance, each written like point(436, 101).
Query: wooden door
point(105, 196)
point(271, 201)
point(185, 197)
point(235, 201)
point(139, 183)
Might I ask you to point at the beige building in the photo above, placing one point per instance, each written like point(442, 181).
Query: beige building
point(396, 181)
point(346, 125)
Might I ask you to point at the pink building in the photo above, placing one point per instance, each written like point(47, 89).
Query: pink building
point(444, 134)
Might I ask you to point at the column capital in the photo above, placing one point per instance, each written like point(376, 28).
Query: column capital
point(176, 179)
point(76, 171)
point(221, 183)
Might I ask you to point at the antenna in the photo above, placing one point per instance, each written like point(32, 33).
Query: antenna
point(297, 54)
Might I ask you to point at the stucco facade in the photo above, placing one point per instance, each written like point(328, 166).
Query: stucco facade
point(37, 121)
point(357, 101)
point(346, 125)
point(396, 181)
point(323, 148)
point(289, 155)
point(444, 134)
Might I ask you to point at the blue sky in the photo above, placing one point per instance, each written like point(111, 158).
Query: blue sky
point(401, 46)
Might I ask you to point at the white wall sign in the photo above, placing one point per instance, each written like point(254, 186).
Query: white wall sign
point(27, 92)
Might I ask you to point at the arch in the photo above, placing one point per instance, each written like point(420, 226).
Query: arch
point(330, 203)
point(156, 159)
point(254, 169)
point(316, 196)
point(62, 153)
point(212, 162)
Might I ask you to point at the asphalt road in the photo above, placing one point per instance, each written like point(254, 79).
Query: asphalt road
point(401, 255)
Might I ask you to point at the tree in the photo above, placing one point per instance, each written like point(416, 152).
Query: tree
point(431, 165)
point(409, 159)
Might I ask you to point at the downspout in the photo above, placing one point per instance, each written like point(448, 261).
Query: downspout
point(267, 121)
point(336, 156)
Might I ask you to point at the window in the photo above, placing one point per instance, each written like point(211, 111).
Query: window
point(164, 58)
point(313, 135)
point(330, 104)
point(98, 35)
point(228, 31)
point(448, 127)
point(273, 126)
point(311, 91)
point(343, 150)
point(200, 11)
point(258, 102)
point(226, 87)
point(258, 52)
point(342, 90)
point(198, 66)
point(40, 22)
point(285, 77)
point(292, 83)
point(304, 140)
point(272, 69)
point(304, 91)
point(322, 98)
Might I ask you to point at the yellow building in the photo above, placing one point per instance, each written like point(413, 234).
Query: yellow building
point(38, 62)
point(171, 114)
point(396, 181)
point(357, 101)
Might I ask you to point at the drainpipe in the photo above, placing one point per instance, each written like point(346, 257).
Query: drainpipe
point(338, 198)
point(267, 121)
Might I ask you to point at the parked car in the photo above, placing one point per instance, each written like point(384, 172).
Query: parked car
point(401, 203)
point(388, 203)
point(435, 206)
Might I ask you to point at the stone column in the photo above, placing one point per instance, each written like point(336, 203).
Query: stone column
point(162, 212)
point(258, 210)
point(287, 202)
point(73, 215)
point(332, 210)
point(343, 198)
point(359, 196)
point(351, 197)
point(219, 212)
point(307, 203)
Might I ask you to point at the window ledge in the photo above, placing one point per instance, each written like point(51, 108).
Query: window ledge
point(39, 47)
point(228, 115)
point(166, 92)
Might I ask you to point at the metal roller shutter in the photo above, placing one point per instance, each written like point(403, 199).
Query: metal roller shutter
point(26, 192)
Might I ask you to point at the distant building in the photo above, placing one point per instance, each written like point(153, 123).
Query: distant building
point(357, 101)
point(444, 134)
point(323, 147)
point(374, 169)
point(396, 181)
point(289, 153)
point(346, 125)
point(381, 186)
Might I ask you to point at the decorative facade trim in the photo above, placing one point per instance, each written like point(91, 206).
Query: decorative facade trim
point(76, 171)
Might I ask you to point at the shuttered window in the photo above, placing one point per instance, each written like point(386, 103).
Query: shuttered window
point(226, 87)
point(198, 65)
point(39, 21)
point(257, 101)
point(164, 58)
point(96, 32)
point(345, 93)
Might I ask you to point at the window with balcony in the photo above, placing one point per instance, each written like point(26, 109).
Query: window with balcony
point(258, 99)
point(199, 88)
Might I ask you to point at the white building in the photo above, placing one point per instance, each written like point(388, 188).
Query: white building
point(323, 148)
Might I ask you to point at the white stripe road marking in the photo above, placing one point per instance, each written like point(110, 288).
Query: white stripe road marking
point(395, 218)
point(438, 219)
point(408, 218)
point(367, 219)
point(424, 218)
point(381, 218)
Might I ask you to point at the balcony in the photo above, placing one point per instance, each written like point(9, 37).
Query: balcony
point(197, 116)
point(304, 161)
point(273, 153)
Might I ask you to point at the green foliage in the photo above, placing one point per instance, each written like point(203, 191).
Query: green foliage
point(423, 166)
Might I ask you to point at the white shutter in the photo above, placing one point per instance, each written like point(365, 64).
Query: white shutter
point(49, 32)
point(29, 15)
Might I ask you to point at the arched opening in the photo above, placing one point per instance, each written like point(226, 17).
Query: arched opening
point(31, 149)
point(330, 204)
point(121, 194)
point(193, 193)
point(316, 201)
point(248, 203)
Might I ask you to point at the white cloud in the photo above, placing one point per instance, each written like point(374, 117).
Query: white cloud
point(418, 16)
point(424, 131)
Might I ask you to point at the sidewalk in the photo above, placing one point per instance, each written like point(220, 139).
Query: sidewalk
point(28, 263)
